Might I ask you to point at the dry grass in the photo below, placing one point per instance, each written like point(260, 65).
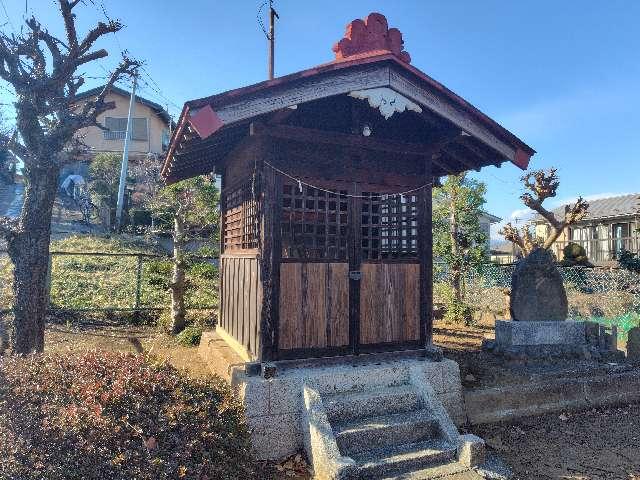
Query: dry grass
point(103, 336)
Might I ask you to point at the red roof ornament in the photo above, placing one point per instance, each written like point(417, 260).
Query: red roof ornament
point(370, 35)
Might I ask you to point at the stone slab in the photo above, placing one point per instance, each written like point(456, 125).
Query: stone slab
point(275, 436)
point(512, 333)
point(471, 450)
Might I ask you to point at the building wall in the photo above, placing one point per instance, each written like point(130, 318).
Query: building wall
point(603, 248)
point(94, 137)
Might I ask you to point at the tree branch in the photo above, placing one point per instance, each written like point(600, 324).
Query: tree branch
point(66, 8)
point(11, 144)
point(542, 185)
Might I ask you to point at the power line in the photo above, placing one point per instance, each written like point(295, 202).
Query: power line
point(13, 28)
point(157, 88)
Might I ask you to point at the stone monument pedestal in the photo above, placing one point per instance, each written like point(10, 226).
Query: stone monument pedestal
point(535, 339)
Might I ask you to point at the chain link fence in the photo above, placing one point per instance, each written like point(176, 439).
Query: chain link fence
point(608, 295)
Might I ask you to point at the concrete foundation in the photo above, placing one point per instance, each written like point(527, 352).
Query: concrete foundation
point(554, 339)
point(275, 407)
point(511, 402)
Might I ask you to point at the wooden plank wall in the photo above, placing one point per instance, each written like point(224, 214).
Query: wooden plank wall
point(242, 300)
point(389, 303)
point(314, 305)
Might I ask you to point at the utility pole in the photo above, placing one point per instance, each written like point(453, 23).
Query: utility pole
point(125, 154)
point(272, 37)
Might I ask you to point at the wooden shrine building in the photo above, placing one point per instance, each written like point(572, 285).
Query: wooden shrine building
point(326, 244)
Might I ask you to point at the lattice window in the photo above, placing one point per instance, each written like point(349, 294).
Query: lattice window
point(240, 218)
point(314, 223)
point(389, 226)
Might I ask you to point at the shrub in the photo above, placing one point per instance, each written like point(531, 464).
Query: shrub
point(629, 261)
point(190, 336)
point(575, 255)
point(116, 416)
point(140, 217)
point(458, 312)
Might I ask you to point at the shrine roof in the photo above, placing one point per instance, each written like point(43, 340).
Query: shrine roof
point(370, 55)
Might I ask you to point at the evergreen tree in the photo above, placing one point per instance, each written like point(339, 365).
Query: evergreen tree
point(458, 240)
point(193, 206)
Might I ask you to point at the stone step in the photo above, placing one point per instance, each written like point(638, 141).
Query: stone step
point(357, 378)
point(446, 471)
point(344, 406)
point(403, 459)
point(373, 433)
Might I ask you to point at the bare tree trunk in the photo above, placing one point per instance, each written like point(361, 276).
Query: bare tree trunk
point(455, 247)
point(29, 253)
point(178, 280)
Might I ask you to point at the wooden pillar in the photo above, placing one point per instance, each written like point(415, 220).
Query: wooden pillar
point(270, 254)
point(219, 171)
point(425, 252)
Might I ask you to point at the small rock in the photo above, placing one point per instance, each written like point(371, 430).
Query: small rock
point(563, 417)
point(469, 378)
point(495, 442)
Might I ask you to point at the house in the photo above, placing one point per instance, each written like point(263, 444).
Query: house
point(504, 253)
point(611, 225)
point(326, 244)
point(149, 135)
point(486, 220)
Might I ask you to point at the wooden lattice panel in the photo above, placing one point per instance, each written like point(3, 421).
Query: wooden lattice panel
point(240, 218)
point(314, 223)
point(389, 226)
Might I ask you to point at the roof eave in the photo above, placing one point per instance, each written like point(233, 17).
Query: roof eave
point(207, 115)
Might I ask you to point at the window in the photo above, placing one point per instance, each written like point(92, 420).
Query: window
point(117, 128)
point(314, 223)
point(389, 226)
point(166, 138)
point(240, 217)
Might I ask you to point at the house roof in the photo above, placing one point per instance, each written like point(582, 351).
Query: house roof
point(157, 108)
point(602, 208)
point(370, 56)
point(492, 218)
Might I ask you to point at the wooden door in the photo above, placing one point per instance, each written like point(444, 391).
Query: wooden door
point(314, 310)
point(350, 271)
point(389, 296)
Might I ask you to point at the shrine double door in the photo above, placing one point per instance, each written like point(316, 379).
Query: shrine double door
point(350, 271)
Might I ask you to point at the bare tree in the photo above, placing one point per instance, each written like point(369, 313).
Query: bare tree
point(44, 73)
point(542, 185)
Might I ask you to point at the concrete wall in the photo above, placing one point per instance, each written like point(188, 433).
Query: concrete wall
point(94, 137)
point(511, 402)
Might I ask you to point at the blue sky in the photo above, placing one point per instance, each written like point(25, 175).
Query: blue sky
point(564, 76)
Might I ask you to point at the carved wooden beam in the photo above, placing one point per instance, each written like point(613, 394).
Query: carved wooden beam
point(348, 140)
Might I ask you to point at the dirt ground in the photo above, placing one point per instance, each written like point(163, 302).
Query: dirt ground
point(592, 445)
point(596, 444)
point(124, 338)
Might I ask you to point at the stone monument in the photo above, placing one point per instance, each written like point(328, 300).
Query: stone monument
point(539, 327)
point(537, 290)
point(633, 344)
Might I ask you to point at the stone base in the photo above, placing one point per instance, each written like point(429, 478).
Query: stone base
point(577, 339)
point(274, 406)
